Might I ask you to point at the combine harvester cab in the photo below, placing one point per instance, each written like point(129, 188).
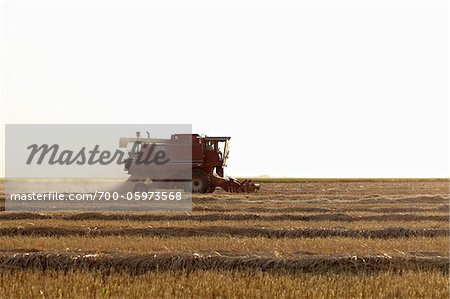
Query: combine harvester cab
point(209, 156)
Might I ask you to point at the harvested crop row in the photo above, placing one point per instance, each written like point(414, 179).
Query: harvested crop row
point(226, 217)
point(286, 247)
point(225, 231)
point(314, 209)
point(284, 224)
point(337, 198)
point(143, 263)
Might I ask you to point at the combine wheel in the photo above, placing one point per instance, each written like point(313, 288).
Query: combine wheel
point(200, 181)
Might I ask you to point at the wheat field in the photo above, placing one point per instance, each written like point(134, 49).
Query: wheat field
point(296, 238)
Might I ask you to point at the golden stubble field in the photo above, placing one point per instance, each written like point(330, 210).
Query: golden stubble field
point(294, 239)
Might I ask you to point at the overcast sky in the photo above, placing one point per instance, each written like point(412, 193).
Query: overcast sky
point(304, 89)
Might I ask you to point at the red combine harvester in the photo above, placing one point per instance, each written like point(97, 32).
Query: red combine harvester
point(209, 156)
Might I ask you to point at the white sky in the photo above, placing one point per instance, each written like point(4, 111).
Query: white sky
point(305, 89)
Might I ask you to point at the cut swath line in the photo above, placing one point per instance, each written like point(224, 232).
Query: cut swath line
point(383, 233)
point(142, 263)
